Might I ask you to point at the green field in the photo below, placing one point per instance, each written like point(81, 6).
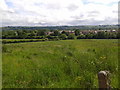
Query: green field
point(59, 64)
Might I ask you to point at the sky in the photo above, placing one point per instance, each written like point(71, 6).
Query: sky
point(58, 12)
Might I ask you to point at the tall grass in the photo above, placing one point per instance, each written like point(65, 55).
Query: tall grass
point(59, 64)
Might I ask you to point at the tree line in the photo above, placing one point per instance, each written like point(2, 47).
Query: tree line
point(57, 35)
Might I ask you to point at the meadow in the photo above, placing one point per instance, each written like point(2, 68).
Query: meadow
point(59, 64)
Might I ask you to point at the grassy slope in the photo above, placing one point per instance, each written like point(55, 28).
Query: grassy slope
point(61, 64)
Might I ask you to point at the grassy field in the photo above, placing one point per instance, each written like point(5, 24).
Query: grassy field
point(59, 64)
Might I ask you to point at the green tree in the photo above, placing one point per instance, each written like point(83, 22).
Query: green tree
point(77, 32)
point(82, 36)
point(89, 36)
point(113, 35)
point(22, 34)
point(63, 36)
point(71, 36)
point(66, 33)
point(41, 33)
point(32, 33)
point(100, 35)
point(56, 33)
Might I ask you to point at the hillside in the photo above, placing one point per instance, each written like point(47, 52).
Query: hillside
point(84, 27)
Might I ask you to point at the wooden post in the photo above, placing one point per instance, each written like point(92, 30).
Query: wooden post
point(103, 80)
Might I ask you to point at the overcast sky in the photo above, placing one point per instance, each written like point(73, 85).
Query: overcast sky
point(58, 12)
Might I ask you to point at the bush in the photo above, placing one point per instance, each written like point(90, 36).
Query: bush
point(81, 37)
point(71, 36)
point(63, 36)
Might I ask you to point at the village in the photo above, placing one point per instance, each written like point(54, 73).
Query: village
point(84, 32)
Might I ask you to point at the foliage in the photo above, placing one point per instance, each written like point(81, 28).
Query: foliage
point(66, 33)
point(63, 36)
point(42, 34)
point(81, 37)
point(71, 36)
point(56, 33)
point(77, 32)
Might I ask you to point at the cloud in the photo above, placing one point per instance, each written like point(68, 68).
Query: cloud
point(102, 1)
point(72, 7)
point(58, 12)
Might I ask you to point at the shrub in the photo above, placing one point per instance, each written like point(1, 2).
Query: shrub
point(81, 37)
point(63, 36)
point(71, 36)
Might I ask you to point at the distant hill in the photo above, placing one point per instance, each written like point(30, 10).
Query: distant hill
point(83, 27)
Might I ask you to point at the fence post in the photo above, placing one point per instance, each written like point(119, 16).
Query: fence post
point(103, 80)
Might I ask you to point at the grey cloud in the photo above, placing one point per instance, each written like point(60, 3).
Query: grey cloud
point(72, 7)
point(48, 6)
point(78, 16)
point(115, 11)
point(93, 21)
point(72, 23)
point(53, 6)
point(92, 13)
point(81, 22)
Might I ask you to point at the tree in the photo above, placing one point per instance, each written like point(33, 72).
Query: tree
point(71, 36)
point(77, 32)
point(56, 33)
point(63, 36)
point(66, 33)
point(32, 33)
point(41, 33)
point(113, 35)
point(118, 35)
point(81, 36)
point(89, 36)
point(21, 34)
point(100, 35)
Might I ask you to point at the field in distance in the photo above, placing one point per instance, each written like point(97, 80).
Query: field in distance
point(59, 64)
